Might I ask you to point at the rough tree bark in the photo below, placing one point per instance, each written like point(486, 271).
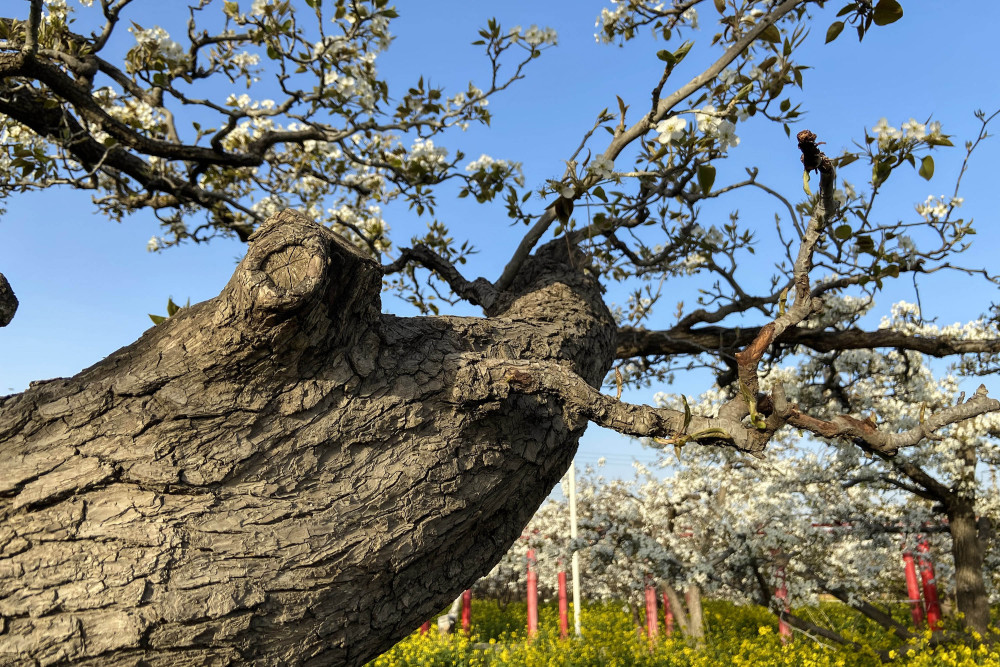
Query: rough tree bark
point(283, 475)
point(967, 547)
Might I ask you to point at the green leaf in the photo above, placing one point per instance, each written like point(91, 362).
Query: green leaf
point(667, 57)
point(171, 307)
point(720, 6)
point(886, 12)
point(846, 159)
point(706, 177)
point(805, 183)
point(939, 141)
point(599, 193)
point(771, 34)
point(682, 51)
point(563, 209)
point(157, 319)
point(843, 232)
point(927, 168)
point(834, 30)
point(881, 171)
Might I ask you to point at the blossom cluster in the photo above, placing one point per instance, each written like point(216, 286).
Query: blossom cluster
point(534, 36)
point(911, 130)
point(935, 209)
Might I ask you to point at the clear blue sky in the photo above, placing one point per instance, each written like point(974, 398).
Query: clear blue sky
point(86, 284)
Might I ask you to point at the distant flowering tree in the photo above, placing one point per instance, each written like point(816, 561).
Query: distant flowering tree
point(813, 519)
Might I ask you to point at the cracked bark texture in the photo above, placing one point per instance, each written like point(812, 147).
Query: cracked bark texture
point(283, 475)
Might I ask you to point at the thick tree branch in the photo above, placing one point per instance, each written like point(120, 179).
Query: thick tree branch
point(805, 304)
point(31, 37)
point(642, 343)
point(508, 377)
point(64, 87)
point(865, 431)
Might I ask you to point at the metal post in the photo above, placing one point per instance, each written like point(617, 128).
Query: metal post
point(668, 617)
point(930, 584)
point(532, 595)
point(652, 623)
point(576, 556)
point(913, 590)
point(466, 611)
point(563, 606)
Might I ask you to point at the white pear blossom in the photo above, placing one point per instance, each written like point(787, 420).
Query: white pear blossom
point(936, 208)
point(259, 7)
point(670, 129)
point(728, 76)
point(159, 40)
point(914, 130)
point(424, 153)
point(726, 135)
point(885, 133)
point(707, 119)
point(691, 16)
point(536, 36)
point(601, 166)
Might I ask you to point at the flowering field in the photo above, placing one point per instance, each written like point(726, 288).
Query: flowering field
point(736, 635)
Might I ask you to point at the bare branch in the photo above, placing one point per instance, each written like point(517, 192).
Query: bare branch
point(865, 431)
point(30, 47)
point(805, 304)
point(642, 343)
point(479, 292)
point(674, 427)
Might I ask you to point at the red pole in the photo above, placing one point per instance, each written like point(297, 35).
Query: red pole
point(532, 595)
point(466, 611)
point(425, 628)
point(563, 606)
point(668, 617)
point(652, 629)
point(930, 585)
point(912, 590)
point(784, 631)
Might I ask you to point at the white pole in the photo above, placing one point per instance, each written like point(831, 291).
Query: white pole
point(576, 555)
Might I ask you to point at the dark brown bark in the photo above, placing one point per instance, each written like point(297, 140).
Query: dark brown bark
point(967, 550)
point(729, 340)
point(283, 475)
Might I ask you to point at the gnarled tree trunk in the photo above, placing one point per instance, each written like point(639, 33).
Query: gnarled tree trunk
point(283, 475)
point(967, 548)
